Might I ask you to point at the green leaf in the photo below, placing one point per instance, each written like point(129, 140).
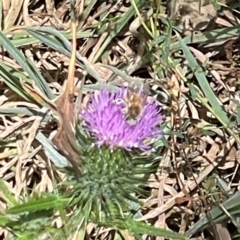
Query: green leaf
point(51, 202)
point(143, 228)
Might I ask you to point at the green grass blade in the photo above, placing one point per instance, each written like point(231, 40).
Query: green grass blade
point(217, 35)
point(8, 195)
point(139, 228)
point(204, 84)
point(16, 73)
point(58, 42)
point(117, 28)
point(86, 12)
point(28, 67)
point(24, 111)
point(50, 202)
point(217, 214)
point(23, 40)
point(13, 83)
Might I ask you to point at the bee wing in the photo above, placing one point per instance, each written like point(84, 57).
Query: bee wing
point(140, 87)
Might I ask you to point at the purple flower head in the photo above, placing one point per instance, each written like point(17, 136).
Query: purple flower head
point(105, 119)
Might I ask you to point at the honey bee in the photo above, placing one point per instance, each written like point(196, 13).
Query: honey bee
point(133, 106)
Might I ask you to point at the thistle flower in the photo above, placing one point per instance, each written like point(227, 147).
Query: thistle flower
point(104, 119)
point(112, 174)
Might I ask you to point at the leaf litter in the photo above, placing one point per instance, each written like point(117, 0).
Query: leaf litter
point(199, 148)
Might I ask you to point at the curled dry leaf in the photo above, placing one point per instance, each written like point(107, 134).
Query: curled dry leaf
point(65, 137)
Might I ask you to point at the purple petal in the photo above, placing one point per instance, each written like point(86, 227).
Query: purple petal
point(105, 120)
